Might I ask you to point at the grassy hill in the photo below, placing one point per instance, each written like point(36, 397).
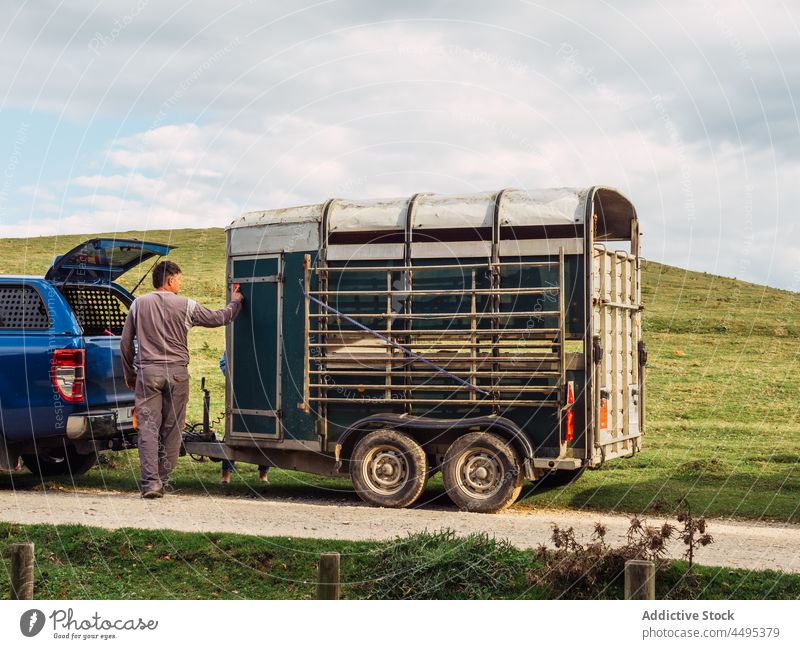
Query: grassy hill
point(722, 383)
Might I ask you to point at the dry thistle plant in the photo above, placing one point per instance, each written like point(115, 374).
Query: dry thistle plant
point(577, 569)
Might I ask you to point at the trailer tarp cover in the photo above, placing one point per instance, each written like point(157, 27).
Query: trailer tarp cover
point(297, 228)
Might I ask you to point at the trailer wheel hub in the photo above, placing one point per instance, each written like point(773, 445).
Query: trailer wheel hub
point(385, 470)
point(481, 472)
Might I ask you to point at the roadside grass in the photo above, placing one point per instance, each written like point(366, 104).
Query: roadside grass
point(79, 562)
point(723, 379)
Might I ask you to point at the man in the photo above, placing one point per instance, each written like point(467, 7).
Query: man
point(160, 322)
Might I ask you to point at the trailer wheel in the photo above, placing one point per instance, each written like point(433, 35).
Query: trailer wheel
point(388, 468)
point(482, 473)
point(59, 461)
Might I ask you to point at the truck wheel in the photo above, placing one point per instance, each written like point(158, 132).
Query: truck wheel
point(388, 469)
point(482, 473)
point(59, 461)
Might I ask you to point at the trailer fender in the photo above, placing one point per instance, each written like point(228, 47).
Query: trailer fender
point(418, 425)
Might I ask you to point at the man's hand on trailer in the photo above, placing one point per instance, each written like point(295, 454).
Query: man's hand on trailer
point(237, 293)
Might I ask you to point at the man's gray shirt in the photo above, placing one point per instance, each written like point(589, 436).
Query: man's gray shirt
point(160, 321)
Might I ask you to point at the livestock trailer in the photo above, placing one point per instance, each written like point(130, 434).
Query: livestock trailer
point(495, 337)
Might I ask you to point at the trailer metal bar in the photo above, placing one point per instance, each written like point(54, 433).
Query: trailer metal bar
point(452, 291)
point(306, 325)
point(487, 402)
point(451, 331)
point(426, 344)
point(487, 266)
point(473, 324)
point(256, 412)
point(431, 387)
point(479, 373)
point(553, 358)
point(449, 316)
point(257, 280)
point(621, 305)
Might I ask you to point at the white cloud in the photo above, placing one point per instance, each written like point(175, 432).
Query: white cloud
point(127, 183)
point(37, 193)
point(689, 110)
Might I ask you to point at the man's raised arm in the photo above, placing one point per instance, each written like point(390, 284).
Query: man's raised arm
point(200, 316)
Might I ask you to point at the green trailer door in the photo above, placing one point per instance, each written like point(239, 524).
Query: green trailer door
point(254, 350)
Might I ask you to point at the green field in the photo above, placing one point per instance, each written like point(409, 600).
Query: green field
point(722, 382)
point(78, 562)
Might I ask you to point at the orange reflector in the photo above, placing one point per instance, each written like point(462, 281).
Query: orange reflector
point(134, 422)
point(570, 426)
point(603, 413)
point(569, 433)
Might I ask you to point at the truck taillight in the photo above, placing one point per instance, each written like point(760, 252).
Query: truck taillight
point(569, 423)
point(68, 373)
point(135, 421)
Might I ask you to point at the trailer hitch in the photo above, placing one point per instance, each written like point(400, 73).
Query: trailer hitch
point(201, 432)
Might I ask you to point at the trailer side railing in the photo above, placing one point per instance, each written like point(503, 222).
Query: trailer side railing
point(498, 351)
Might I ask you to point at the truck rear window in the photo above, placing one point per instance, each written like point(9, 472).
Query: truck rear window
point(21, 307)
point(99, 310)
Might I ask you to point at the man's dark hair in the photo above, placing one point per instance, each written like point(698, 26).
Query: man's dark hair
point(163, 271)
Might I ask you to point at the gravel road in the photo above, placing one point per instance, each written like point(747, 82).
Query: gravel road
point(738, 544)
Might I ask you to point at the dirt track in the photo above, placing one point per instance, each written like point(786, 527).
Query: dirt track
point(737, 544)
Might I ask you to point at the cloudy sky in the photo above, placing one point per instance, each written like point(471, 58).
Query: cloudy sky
point(144, 114)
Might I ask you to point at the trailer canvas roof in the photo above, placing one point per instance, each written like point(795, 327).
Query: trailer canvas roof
point(296, 228)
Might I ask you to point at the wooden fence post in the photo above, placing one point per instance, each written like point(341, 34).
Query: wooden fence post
point(328, 586)
point(22, 571)
point(640, 579)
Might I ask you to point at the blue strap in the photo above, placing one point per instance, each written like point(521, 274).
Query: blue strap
point(406, 350)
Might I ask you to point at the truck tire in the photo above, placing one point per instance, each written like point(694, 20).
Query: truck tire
point(59, 461)
point(482, 473)
point(388, 468)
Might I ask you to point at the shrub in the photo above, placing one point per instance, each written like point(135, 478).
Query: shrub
point(575, 570)
point(440, 565)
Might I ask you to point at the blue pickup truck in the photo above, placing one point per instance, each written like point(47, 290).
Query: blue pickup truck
point(62, 391)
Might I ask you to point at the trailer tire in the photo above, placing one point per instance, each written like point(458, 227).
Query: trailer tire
point(482, 473)
point(64, 460)
point(388, 469)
